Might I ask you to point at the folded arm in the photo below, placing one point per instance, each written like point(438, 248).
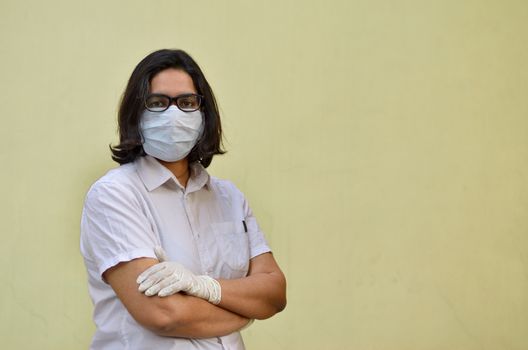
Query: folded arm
point(261, 294)
point(177, 315)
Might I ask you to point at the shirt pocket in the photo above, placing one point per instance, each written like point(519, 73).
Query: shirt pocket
point(233, 245)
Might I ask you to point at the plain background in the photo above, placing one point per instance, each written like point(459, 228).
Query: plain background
point(382, 144)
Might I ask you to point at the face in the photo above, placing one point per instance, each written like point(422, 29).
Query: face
point(172, 82)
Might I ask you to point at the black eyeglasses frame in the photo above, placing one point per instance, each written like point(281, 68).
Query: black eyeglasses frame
point(174, 101)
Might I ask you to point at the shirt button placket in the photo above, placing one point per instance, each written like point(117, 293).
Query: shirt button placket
point(187, 205)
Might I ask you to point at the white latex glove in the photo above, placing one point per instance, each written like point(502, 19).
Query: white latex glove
point(169, 277)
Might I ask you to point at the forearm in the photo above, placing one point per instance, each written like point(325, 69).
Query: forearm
point(177, 315)
point(258, 296)
point(199, 319)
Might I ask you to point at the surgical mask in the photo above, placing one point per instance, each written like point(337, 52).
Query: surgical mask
point(170, 135)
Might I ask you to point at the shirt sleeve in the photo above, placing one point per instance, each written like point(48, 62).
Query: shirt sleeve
point(257, 240)
point(114, 227)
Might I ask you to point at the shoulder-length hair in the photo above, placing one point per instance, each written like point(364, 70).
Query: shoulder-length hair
point(132, 106)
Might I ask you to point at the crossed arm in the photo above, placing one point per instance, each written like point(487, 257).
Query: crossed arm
point(259, 295)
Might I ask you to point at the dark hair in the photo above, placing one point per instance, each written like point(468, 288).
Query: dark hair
point(132, 105)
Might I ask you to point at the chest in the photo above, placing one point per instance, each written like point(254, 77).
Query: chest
point(203, 230)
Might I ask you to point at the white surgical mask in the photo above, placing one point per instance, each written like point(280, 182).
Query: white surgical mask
point(170, 135)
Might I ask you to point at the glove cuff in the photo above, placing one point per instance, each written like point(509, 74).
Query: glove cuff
point(213, 287)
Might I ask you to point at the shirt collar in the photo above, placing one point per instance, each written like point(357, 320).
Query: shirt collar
point(154, 174)
point(199, 178)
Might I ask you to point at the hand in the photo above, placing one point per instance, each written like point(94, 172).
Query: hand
point(168, 277)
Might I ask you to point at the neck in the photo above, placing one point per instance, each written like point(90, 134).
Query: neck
point(180, 169)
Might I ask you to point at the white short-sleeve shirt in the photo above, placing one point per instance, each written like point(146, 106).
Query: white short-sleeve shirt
point(207, 226)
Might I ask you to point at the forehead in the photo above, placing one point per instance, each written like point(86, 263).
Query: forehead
point(172, 82)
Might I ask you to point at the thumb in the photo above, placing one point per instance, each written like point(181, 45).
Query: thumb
point(160, 254)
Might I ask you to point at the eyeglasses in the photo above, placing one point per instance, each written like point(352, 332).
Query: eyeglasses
point(185, 102)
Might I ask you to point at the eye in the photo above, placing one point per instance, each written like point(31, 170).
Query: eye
point(157, 103)
point(189, 103)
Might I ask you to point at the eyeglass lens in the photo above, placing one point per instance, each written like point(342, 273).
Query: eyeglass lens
point(159, 103)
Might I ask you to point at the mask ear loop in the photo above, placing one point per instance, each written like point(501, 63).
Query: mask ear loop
point(141, 141)
point(202, 133)
point(141, 138)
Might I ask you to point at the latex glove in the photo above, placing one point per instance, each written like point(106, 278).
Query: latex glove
point(169, 277)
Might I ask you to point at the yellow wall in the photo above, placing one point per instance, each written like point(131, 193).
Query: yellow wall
point(383, 145)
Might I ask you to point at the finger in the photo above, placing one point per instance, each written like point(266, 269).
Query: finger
point(153, 290)
point(160, 253)
point(148, 272)
point(172, 289)
point(171, 281)
point(153, 279)
point(163, 283)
